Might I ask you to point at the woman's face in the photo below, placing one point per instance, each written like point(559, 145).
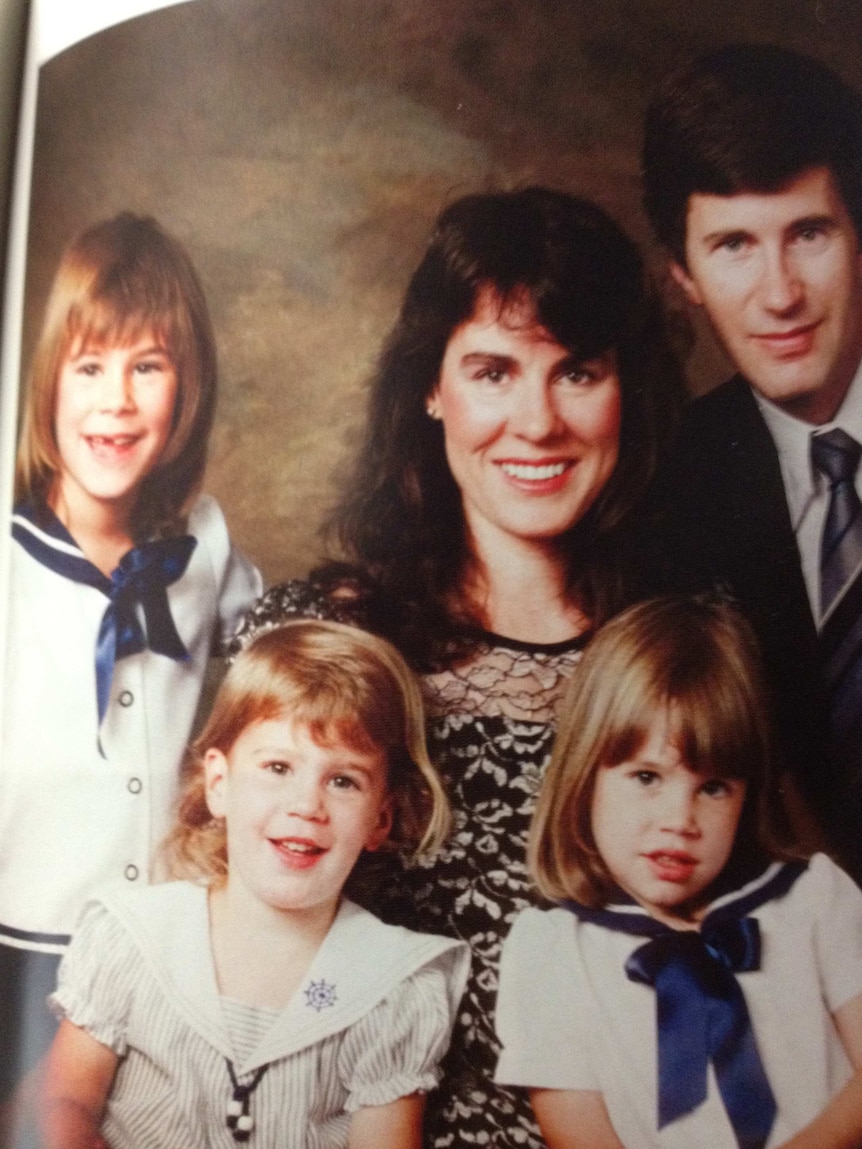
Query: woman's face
point(531, 432)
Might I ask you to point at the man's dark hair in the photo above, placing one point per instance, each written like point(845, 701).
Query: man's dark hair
point(747, 117)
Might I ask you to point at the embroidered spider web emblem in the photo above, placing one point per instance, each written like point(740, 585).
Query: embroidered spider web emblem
point(320, 994)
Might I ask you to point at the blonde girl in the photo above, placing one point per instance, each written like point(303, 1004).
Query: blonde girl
point(693, 987)
point(123, 582)
point(253, 1001)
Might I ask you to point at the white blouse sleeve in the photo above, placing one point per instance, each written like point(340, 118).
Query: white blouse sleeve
point(837, 906)
point(238, 580)
point(95, 983)
point(395, 1048)
point(542, 1006)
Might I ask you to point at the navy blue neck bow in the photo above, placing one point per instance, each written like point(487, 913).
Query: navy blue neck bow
point(702, 1017)
point(141, 579)
point(701, 1013)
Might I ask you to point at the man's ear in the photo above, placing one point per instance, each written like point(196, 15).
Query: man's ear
point(215, 771)
point(689, 287)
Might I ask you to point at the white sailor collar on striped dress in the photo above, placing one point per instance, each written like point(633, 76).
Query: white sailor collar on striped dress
point(359, 962)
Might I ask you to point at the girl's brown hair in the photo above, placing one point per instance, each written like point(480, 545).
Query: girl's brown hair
point(118, 280)
point(343, 685)
point(699, 657)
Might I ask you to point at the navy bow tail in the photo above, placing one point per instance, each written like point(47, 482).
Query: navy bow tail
point(702, 1016)
point(142, 578)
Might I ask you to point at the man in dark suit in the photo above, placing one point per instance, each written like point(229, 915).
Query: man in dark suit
point(753, 181)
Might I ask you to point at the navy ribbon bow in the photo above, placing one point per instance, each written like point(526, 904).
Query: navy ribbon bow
point(141, 579)
point(702, 1017)
point(143, 576)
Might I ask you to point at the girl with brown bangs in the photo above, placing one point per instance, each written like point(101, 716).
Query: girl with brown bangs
point(697, 984)
point(123, 583)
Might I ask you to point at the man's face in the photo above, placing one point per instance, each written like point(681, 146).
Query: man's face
point(779, 275)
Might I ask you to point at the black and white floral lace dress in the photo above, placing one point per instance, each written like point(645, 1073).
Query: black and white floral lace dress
point(491, 721)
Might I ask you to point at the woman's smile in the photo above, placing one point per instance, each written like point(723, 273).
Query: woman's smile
point(541, 477)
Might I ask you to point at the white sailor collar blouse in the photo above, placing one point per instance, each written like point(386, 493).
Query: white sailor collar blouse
point(83, 802)
point(570, 1015)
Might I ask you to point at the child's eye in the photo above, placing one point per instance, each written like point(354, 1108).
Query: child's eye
point(645, 777)
point(578, 376)
point(716, 787)
point(151, 366)
point(88, 368)
point(276, 767)
point(345, 782)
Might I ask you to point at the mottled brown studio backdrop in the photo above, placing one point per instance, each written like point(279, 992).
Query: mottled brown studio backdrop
point(301, 149)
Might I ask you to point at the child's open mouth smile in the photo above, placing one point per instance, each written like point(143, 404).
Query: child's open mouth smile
point(299, 813)
point(298, 853)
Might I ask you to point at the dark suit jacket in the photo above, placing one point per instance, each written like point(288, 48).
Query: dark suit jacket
point(719, 514)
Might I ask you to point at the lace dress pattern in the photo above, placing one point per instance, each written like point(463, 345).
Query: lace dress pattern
point(491, 721)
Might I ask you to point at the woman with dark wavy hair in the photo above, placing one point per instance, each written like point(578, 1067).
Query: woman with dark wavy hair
point(518, 411)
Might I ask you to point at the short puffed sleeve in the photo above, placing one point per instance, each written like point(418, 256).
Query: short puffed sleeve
point(836, 902)
point(394, 1050)
point(543, 1009)
point(95, 983)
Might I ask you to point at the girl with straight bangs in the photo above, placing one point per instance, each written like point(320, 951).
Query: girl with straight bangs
point(251, 999)
point(696, 659)
point(121, 280)
point(698, 983)
point(123, 582)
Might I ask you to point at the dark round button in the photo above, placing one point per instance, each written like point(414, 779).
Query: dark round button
point(135, 785)
point(131, 872)
point(126, 698)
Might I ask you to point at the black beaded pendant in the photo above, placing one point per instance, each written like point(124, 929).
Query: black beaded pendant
point(239, 1120)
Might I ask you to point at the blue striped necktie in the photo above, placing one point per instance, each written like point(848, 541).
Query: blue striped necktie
point(836, 455)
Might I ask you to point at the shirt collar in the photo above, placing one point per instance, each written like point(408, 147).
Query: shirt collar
point(625, 915)
point(792, 438)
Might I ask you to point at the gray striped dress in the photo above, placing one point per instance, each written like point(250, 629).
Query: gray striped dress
point(367, 1026)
